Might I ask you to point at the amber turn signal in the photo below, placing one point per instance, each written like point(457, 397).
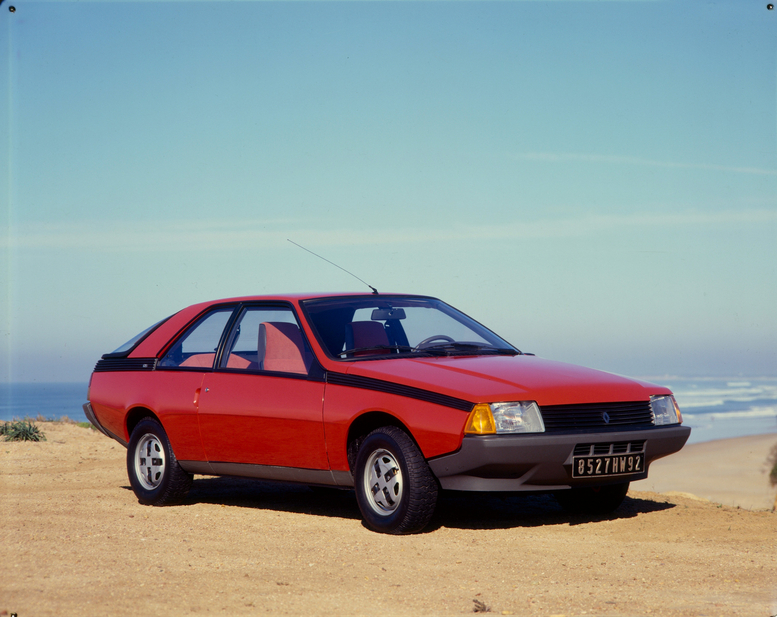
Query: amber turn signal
point(480, 421)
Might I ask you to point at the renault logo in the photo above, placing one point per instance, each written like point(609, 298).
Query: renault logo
point(606, 417)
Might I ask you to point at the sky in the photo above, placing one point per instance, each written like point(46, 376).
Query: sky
point(595, 181)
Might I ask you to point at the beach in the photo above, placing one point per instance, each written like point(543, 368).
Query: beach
point(698, 537)
point(732, 472)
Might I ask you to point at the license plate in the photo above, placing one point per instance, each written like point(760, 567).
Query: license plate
point(588, 466)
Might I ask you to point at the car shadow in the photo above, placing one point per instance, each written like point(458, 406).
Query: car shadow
point(505, 511)
point(458, 510)
point(278, 496)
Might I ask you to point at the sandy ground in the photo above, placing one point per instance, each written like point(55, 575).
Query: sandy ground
point(75, 541)
point(729, 471)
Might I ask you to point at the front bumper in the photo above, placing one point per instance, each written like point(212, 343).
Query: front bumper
point(542, 462)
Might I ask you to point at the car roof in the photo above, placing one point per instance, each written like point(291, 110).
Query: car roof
point(305, 296)
point(157, 339)
point(298, 297)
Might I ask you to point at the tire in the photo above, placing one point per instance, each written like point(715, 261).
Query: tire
point(593, 499)
point(395, 489)
point(154, 473)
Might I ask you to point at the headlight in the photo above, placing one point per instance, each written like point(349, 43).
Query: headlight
point(503, 418)
point(665, 410)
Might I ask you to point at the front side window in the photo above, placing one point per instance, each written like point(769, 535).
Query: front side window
point(267, 339)
point(197, 347)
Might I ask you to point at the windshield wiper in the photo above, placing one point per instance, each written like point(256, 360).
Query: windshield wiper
point(452, 348)
point(456, 348)
point(376, 348)
point(502, 351)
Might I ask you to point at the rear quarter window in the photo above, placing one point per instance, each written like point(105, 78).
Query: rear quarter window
point(197, 347)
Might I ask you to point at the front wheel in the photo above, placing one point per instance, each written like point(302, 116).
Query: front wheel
point(154, 473)
point(592, 499)
point(395, 489)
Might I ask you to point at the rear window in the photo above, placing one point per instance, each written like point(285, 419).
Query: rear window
point(127, 347)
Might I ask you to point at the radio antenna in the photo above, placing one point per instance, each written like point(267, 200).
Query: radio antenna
point(375, 291)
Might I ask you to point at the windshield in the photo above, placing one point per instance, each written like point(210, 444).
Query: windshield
point(379, 327)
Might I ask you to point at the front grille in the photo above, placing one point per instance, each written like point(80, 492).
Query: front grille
point(596, 416)
point(598, 449)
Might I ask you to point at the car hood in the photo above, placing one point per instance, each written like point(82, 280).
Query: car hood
point(487, 379)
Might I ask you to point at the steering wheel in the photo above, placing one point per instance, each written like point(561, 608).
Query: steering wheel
point(429, 339)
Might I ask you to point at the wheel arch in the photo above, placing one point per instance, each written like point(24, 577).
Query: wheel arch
point(363, 425)
point(135, 415)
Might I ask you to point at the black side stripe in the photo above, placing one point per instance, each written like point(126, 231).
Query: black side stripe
point(368, 383)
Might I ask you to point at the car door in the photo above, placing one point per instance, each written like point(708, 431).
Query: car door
point(263, 405)
point(176, 384)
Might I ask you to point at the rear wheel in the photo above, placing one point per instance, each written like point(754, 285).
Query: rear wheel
point(395, 489)
point(593, 499)
point(154, 473)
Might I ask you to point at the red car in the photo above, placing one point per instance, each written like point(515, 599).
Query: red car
point(396, 396)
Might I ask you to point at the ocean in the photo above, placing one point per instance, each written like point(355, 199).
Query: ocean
point(50, 400)
point(722, 408)
point(713, 408)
